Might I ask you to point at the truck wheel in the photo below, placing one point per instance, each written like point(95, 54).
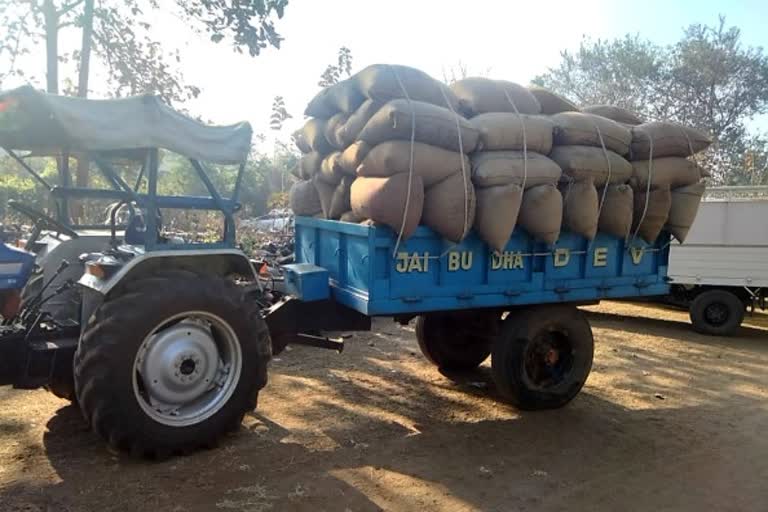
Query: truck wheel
point(454, 341)
point(543, 356)
point(171, 364)
point(717, 312)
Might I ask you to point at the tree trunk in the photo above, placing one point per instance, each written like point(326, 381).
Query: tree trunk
point(51, 16)
point(82, 178)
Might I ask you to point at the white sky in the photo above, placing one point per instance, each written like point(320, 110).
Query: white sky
point(513, 40)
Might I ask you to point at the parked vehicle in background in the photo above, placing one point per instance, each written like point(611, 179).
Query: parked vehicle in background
point(275, 220)
point(722, 269)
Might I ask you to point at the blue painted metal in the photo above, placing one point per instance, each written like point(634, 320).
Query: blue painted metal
point(15, 267)
point(307, 282)
point(431, 274)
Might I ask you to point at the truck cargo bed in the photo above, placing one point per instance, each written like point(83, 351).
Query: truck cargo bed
point(429, 273)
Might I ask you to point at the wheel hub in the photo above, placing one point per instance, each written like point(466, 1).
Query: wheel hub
point(179, 364)
point(716, 313)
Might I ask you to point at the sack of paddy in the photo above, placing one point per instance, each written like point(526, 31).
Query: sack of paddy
point(340, 201)
point(325, 192)
point(668, 139)
point(616, 214)
point(496, 214)
point(449, 207)
point(504, 130)
point(385, 82)
point(541, 213)
point(685, 206)
point(311, 137)
point(353, 156)
point(348, 132)
point(330, 170)
point(304, 199)
point(434, 125)
point(670, 171)
point(350, 216)
point(588, 162)
point(383, 200)
point(481, 95)
point(580, 207)
point(618, 114)
point(309, 165)
point(577, 128)
point(492, 168)
point(432, 163)
point(332, 129)
point(650, 212)
point(550, 102)
point(344, 96)
point(321, 106)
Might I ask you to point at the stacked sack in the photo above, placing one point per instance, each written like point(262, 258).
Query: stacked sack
point(389, 145)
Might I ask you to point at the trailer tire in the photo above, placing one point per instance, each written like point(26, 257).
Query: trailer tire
point(170, 364)
point(543, 356)
point(717, 312)
point(450, 342)
point(62, 385)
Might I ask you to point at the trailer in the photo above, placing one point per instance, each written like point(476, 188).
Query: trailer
point(722, 269)
point(172, 341)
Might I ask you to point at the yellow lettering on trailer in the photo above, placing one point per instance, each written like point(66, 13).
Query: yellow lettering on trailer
point(402, 262)
point(637, 254)
point(601, 257)
point(517, 261)
point(459, 260)
point(413, 262)
point(561, 257)
point(507, 260)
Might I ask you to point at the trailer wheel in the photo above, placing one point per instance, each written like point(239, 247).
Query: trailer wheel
point(170, 364)
point(455, 341)
point(62, 384)
point(717, 312)
point(543, 356)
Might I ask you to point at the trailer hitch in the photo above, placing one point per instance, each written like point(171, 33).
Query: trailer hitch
point(312, 340)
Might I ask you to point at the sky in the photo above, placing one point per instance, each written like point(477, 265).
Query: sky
point(510, 40)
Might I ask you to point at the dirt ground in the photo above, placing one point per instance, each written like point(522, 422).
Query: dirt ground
point(669, 420)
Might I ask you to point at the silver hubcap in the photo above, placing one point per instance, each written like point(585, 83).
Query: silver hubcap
point(187, 368)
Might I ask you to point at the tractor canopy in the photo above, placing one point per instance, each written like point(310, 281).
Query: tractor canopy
point(46, 124)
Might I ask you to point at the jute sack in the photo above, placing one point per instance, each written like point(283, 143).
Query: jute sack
point(353, 156)
point(384, 200)
point(449, 207)
point(345, 96)
point(541, 213)
point(670, 171)
point(321, 105)
point(304, 200)
point(582, 162)
point(616, 214)
point(351, 217)
point(309, 165)
point(493, 168)
point(325, 191)
point(432, 163)
point(580, 207)
point(434, 125)
point(385, 82)
point(340, 201)
point(618, 114)
point(504, 130)
point(481, 95)
point(685, 206)
point(348, 133)
point(577, 128)
point(332, 128)
point(659, 201)
point(550, 102)
point(669, 139)
point(330, 171)
point(312, 137)
point(497, 210)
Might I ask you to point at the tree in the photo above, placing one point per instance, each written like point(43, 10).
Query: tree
point(279, 114)
point(334, 72)
point(707, 80)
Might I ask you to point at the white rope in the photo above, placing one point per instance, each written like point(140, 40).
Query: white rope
point(647, 187)
point(410, 162)
point(463, 166)
point(607, 180)
point(525, 138)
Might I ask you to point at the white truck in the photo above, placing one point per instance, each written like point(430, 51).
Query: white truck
point(722, 268)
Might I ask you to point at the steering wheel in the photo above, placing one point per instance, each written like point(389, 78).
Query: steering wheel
point(43, 221)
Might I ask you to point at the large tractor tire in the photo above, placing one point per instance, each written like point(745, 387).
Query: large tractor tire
point(456, 341)
point(543, 356)
point(717, 312)
point(170, 364)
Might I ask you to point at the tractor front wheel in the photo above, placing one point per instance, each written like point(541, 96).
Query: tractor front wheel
point(170, 364)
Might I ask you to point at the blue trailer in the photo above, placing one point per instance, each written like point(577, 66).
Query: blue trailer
point(173, 338)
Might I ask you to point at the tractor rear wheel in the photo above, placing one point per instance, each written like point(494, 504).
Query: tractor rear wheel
point(170, 364)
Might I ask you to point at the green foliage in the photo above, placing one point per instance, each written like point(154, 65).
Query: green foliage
point(335, 72)
point(279, 114)
point(707, 80)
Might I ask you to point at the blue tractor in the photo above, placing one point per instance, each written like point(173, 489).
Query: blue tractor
point(171, 339)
